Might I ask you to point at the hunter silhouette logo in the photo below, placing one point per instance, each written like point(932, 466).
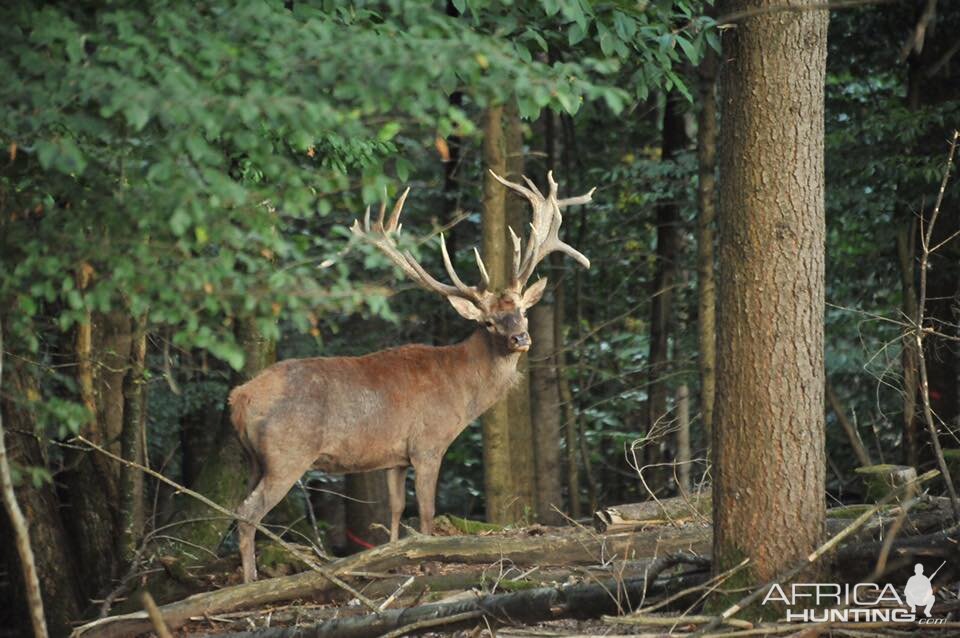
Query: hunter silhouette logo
point(919, 589)
point(860, 602)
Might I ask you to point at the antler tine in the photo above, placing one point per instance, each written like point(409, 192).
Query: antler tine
point(532, 195)
point(483, 269)
point(462, 287)
point(516, 253)
point(544, 228)
point(383, 234)
point(392, 223)
point(382, 212)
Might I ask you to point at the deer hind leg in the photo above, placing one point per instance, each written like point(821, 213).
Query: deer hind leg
point(396, 486)
point(427, 470)
point(264, 497)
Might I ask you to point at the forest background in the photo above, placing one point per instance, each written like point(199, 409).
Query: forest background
point(174, 205)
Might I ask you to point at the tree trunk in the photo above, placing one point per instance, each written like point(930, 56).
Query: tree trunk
point(545, 410)
point(706, 219)
point(367, 505)
point(225, 476)
point(668, 254)
point(912, 428)
point(768, 439)
point(57, 570)
point(522, 441)
point(497, 465)
point(89, 485)
point(132, 440)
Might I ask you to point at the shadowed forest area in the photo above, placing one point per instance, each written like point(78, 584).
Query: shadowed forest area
point(687, 276)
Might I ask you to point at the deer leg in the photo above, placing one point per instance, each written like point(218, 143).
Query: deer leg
point(426, 485)
point(396, 484)
point(268, 492)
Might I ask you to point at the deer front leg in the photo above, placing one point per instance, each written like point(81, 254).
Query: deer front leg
point(427, 470)
point(396, 486)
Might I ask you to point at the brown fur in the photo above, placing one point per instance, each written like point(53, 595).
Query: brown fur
point(387, 410)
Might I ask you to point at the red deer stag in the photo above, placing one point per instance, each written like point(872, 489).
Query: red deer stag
point(399, 407)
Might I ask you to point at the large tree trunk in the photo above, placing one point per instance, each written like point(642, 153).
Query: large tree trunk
point(89, 487)
point(57, 569)
point(367, 506)
point(545, 410)
point(522, 441)
point(707, 205)
point(225, 476)
point(661, 304)
point(497, 465)
point(768, 441)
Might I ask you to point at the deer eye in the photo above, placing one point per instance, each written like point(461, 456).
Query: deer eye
point(488, 323)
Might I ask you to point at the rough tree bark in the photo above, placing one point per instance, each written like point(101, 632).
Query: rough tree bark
point(768, 439)
point(367, 505)
point(522, 442)
point(497, 467)
point(21, 531)
point(225, 476)
point(545, 410)
point(132, 439)
point(56, 566)
point(706, 219)
point(661, 303)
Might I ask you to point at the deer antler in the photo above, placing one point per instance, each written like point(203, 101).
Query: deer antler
point(544, 228)
point(382, 235)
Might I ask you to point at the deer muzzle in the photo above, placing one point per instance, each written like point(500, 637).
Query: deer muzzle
point(520, 342)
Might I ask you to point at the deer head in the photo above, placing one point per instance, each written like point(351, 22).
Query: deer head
point(501, 312)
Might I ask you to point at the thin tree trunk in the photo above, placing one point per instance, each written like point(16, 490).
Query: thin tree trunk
point(771, 293)
point(545, 409)
point(134, 416)
point(497, 466)
point(683, 440)
point(667, 256)
point(706, 219)
point(906, 252)
point(570, 430)
point(28, 565)
point(849, 429)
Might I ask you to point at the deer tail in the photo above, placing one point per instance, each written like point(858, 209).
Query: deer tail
point(239, 403)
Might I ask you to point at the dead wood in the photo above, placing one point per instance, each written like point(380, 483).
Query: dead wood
point(675, 511)
point(583, 600)
point(551, 548)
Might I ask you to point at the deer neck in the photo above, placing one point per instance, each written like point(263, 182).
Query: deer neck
point(492, 370)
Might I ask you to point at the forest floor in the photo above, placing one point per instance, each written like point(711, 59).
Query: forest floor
point(642, 569)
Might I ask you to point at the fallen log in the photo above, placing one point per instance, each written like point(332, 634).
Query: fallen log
point(550, 548)
point(668, 511)
point(582, 600)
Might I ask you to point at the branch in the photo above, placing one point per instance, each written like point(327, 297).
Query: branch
point(919, 333)
point(819, 553)
point(219, 508)
point(21, 531)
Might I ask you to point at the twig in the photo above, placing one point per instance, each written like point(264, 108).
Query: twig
point(672, 621)
point(396, 593)
point(432, 622)
point(21, 531)
point(155, 616)
point(263, 530)
point(925, 239)
point(817, 554)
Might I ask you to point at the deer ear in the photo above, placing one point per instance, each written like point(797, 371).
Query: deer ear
point(466, 309)
point(533, 294)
